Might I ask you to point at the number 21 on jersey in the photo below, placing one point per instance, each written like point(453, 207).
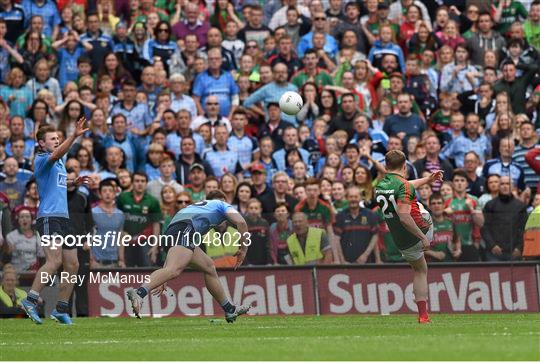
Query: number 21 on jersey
point(385, 200)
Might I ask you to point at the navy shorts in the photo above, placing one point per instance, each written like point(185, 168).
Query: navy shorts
point(182, 234)
point(50, 226)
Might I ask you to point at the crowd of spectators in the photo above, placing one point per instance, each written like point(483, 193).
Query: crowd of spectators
point(182, 98)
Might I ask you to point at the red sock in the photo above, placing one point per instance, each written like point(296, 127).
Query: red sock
point(422, 309)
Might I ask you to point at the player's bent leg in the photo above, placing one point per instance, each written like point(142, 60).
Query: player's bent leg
point(202, 262)
point(177, 259)
point(53, 261)
point(70, 263)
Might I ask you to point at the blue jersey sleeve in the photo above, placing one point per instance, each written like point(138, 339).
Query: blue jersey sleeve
point(41, 162)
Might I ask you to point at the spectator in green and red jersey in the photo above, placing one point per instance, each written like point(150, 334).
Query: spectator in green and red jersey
point(464, 211)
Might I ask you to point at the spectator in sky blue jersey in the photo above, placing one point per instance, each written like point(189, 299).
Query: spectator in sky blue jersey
point(161, 45)
point(53, 218)
point(221, 158)
point(137, 114)
point(48, 11)
point(70, 48)
point(217, 82)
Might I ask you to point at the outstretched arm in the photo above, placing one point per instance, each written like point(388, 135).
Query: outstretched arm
point(236, 219)
point(433, 177)
point(64, 147)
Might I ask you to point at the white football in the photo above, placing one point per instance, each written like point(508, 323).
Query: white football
point(291, 103)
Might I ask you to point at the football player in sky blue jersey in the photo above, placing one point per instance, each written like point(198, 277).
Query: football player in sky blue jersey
point(53, 218)
point(197, 219)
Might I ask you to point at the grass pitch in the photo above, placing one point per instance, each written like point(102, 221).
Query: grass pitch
point(352, 337)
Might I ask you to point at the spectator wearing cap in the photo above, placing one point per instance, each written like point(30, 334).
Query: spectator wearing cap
point(187, 158)
point(125, 140)
point(505, 219)
point(351, 21)
point(258, 179)
point(212, 79)
point(191, 24)
point(179, 98)
point(101, 42)
point(196, 177)
point(405, 123)
point(23, 243)
point(272, 92)
point(166, 178)
point(220, 158)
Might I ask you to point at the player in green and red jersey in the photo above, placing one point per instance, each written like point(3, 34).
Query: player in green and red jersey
point(411, 230)
point(464, 210)
point(389, 251)
point(446, 244)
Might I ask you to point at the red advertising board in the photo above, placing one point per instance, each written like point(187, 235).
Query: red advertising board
point(270, 292)
point(451, 290)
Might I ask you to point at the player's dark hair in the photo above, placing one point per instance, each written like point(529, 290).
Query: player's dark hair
point(216, 194)
point(459, 172)
point(43, 130)
point(84, 60)
point(394, 160)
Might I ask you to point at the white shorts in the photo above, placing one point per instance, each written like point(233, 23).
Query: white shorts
point(416, 252)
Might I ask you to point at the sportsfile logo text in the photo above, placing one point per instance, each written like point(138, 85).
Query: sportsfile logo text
point(117, 239)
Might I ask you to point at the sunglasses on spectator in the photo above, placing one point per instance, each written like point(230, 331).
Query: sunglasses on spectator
point(211, 103)
point(182, 201)
point(320, 18)
point(163, 30)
